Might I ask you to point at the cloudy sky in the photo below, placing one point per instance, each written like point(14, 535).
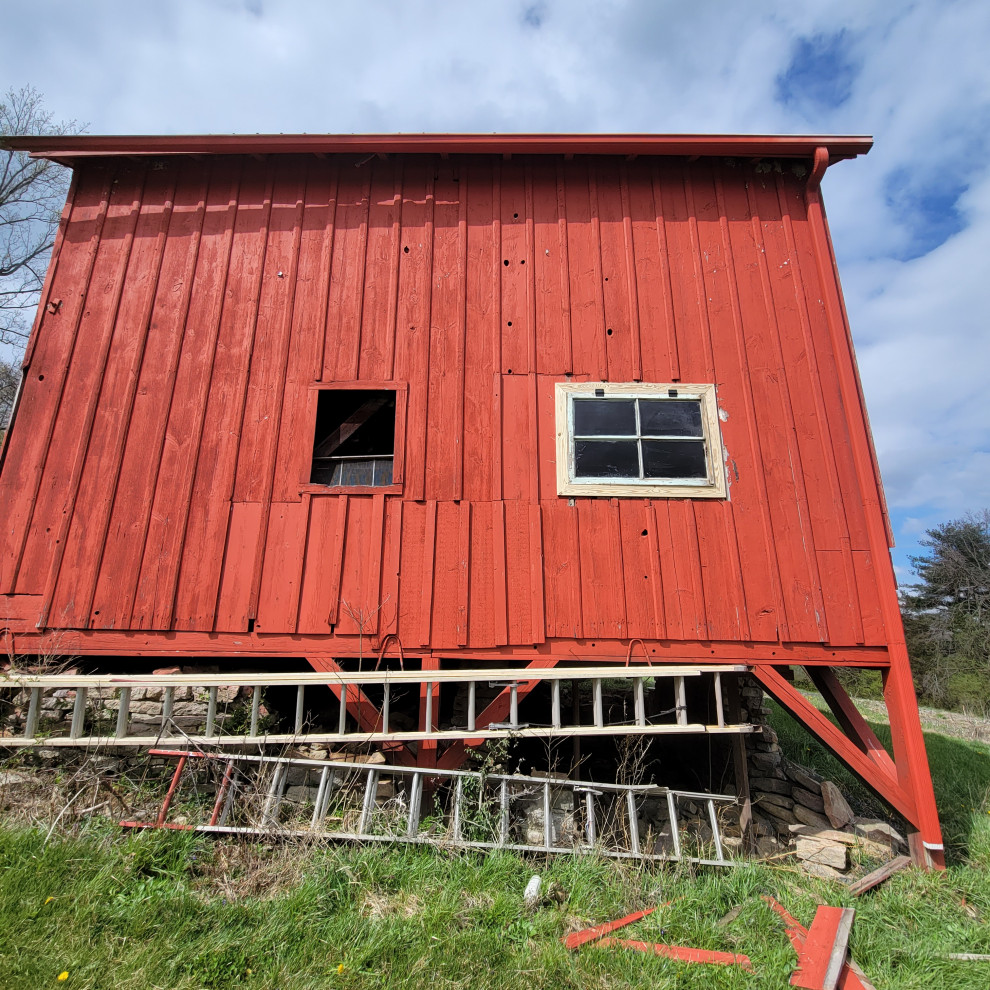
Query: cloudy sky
point(911, 221)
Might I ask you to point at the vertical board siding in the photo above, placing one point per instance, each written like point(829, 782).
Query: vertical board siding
point(170, 495)
point(445, 396)
point(158, 472)
point(68, 445)
point(85, 537)
point(145, 427)
point(209, 508)
point(48, 364)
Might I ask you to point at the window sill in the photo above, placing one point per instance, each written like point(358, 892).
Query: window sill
point(600, 490)
point(350, 490)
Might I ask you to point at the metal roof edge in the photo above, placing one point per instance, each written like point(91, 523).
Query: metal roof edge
point(68, 148)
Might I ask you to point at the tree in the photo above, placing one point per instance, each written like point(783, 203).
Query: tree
point(32, 192)
point(947, 614)
point(10, 376)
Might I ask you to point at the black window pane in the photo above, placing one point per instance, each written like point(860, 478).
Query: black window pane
point(670, 417)
point(674, 459)
point(604, 417)
point(606, 459)
point(322, 473)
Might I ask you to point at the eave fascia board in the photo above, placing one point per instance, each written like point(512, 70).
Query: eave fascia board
point(68, 148)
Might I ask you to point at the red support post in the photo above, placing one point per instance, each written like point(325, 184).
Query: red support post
point(911, 759)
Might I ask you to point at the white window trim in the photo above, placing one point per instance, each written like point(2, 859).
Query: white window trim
point(712, 487)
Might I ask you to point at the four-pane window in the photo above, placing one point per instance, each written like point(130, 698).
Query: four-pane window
point(636, 440)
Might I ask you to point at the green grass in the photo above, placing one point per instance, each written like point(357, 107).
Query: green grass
point(185, 912)
point(175, 910)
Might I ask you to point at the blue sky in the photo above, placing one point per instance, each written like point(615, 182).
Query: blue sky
point(911, 221)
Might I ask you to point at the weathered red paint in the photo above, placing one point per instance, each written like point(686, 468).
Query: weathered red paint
point(155, 481)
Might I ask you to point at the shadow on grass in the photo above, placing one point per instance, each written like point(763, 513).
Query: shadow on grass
point(960, 774)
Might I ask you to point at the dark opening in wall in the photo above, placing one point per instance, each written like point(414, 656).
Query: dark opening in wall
point(354, 443)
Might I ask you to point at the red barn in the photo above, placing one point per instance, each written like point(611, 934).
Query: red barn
point(519, 398)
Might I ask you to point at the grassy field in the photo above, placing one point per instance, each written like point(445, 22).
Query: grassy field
point(174, 910)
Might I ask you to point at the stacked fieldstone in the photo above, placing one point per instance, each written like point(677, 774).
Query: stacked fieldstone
point(797, 811)
point(146, 709)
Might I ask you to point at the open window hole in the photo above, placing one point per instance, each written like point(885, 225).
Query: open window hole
point(354, 442)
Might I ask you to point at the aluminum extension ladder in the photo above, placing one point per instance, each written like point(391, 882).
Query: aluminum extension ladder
point(103, 708)
point(365, 802)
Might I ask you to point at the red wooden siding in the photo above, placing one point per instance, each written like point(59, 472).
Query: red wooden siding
point(156, 474)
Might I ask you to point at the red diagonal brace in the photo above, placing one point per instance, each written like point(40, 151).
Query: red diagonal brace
point(876, 776)
point(363, 710)
point(849, 717)
point(497, 711)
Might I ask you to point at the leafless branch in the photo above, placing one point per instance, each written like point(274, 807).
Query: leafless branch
point(31, 195)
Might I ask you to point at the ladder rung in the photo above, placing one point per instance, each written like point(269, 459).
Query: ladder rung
point(675, 828)
point(300, 708)
point(415, 801)
point(368, 806)
point(457, 825)
point(633, 822)
point(255, 709)
point(211, 712)
point(591, 825)
point(123, 713)
point(34, 706)
point(681, 702)
point(713, 818)
point(167, 704)
point(78, 714)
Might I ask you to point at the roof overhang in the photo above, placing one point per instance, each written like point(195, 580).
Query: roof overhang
point(71, 149)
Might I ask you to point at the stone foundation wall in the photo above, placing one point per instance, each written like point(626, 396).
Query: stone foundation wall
point(796, 810)
point(147, 707)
